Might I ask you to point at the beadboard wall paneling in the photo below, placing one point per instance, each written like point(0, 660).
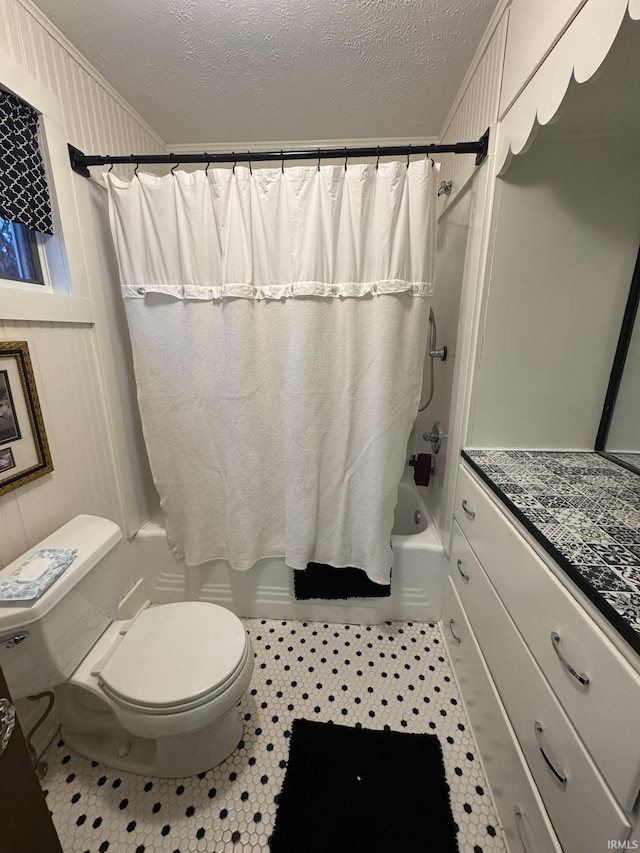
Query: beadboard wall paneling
point(474, 110)
point(76, 372)
point(65, 366)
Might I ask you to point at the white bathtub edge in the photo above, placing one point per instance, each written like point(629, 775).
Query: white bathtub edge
point(266, 590)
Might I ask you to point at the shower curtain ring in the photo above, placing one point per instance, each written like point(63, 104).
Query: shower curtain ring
point(135, 171)
point(408, 155)
point(110, 167)
point(206, 168)
point(176, 166)
point(378, 160)
point(345, 159)
point(233, 168)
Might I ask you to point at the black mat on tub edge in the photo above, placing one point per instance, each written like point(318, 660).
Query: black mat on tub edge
point(354, 790)
point(320, 580)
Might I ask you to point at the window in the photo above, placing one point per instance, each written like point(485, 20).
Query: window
point(19, 259)
point(43, 271)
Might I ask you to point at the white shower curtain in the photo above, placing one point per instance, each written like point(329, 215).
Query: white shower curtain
point(277, 320)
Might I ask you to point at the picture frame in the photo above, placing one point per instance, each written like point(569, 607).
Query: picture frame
point(24, 449)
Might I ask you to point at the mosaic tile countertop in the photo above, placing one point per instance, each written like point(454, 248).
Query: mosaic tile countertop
point(585, 512)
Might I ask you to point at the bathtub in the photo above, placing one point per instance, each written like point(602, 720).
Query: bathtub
point(266, 590)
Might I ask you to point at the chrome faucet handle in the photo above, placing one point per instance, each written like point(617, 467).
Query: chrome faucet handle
point(440, 353)
point(435, 436)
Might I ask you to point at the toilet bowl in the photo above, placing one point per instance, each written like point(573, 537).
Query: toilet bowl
point(157, 694)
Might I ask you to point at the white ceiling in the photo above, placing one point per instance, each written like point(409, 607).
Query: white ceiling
point(280, 70)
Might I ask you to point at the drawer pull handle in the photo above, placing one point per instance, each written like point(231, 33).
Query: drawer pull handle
point(580, 677)
point(463, 574)
point(520, 828)
point(560, 776)
point(453, 633)
point(470, 512)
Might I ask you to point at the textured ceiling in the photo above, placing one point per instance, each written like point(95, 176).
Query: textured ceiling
point(269, 70)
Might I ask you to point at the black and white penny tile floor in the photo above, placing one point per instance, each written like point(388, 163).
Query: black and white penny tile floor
point(396, 674)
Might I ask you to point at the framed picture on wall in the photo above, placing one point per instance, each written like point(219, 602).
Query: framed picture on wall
point(24, 449)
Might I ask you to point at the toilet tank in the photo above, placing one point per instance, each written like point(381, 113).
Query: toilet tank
point(42, 643)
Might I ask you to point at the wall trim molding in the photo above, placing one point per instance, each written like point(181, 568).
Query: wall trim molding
point(576, 57)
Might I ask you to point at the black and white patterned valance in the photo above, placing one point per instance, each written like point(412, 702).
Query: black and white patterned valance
point(24, 194)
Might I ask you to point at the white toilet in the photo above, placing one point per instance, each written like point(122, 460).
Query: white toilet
point(155, 695)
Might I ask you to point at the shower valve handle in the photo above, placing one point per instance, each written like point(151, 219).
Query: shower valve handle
point(435, 436)
point(440, 353)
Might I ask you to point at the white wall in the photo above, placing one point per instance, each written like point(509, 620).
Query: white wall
point(84, 386)
point(534, 27)
point(75, 372)
point(459, 257)
point(453, 236)
point(565, 238)
point(475, 107)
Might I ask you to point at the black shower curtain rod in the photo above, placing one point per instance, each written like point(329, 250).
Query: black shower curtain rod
point(81, 162)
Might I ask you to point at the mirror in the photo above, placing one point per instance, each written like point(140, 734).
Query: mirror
point(619, 433)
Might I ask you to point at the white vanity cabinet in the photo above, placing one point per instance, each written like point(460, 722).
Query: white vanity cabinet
point(571, 697)
point(524, 819)
point(551, 688)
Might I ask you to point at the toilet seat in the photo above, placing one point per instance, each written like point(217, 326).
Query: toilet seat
point(176, 657)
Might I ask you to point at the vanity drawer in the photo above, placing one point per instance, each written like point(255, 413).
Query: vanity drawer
point(465, 566)
point(564, 639)
point(583, 810)
point(524, 820)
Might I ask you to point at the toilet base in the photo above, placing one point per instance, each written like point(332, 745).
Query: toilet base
point(168, 757)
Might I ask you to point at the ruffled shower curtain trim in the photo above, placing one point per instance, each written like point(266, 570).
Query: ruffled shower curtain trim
point(280, 291)
point(275, 234)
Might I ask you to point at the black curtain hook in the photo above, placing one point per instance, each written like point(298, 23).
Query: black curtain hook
point(206, 168)
point(110, 167)
point(233, 154)
point(250, 169)
point(135, 171)
point(378, 160)
point(408, 155)
point(345, 159)
point(282, 161)
point(318, 159)
point(175, 167)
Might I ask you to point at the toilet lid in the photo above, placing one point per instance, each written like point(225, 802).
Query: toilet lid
point(174, 654)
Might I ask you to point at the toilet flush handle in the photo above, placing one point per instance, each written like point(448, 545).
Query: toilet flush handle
point(9, 641)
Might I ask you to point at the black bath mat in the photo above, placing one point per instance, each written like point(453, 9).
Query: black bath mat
point(353, 790)
point(319, 580)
